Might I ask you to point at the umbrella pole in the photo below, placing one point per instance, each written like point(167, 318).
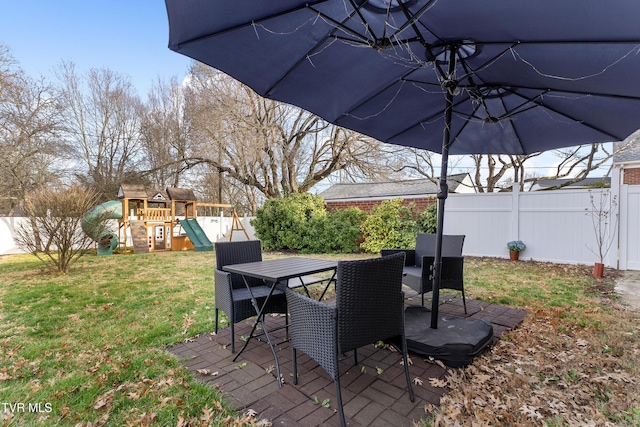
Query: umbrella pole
point(442, 193)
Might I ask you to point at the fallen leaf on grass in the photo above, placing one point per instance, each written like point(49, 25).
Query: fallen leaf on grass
point(186, 323)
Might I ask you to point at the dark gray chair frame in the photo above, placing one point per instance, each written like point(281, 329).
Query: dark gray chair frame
point(231, 293)
point(418, 270)
point(369, 308)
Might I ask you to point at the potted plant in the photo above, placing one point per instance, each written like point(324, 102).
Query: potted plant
point(515, 247)
point(602, 213)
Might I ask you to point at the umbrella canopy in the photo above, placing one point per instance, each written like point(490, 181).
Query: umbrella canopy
point(528, 77)
point(454, 76)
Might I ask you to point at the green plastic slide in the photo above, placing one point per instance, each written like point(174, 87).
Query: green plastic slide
point(93, 225)
point(196, 234)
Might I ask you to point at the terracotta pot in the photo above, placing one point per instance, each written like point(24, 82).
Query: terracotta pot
point(598, 269)
point(514, 255)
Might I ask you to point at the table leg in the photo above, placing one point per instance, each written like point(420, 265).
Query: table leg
point(333, 277)
point(260, 319)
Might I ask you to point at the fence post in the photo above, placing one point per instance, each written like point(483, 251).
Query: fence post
point(515, 211)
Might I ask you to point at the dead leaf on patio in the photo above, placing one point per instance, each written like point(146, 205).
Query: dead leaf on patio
point(436, 382)
point(417, 381)
point(203, 371)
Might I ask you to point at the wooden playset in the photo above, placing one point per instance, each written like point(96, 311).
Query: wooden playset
point(164, 220)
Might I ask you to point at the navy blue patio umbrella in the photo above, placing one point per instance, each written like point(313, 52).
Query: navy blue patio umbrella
point(452, 77)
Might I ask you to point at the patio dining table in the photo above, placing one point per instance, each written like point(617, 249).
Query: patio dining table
point(278, 273)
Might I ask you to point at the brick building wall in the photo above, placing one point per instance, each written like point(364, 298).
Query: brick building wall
point(366, 205)
point(632, 176)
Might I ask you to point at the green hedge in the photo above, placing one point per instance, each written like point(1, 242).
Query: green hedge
point(301, 222)
point(389, 225)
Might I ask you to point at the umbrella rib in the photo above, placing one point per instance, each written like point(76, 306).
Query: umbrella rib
point(304, 58)
point(537, 103)
point(356, 9)
point(435, 115)
point(245, 25)
point(411, 19)
point(514, 87)
point(340, 26)
point(363, 101)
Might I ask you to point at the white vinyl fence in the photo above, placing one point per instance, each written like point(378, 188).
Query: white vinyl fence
point(629, 227)
point(553, 224)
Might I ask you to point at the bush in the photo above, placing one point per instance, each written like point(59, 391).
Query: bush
point(428, 219)
point(283, 223)
point(53, 233)
point(389, 225)
point(301, 222)
point(338, 231)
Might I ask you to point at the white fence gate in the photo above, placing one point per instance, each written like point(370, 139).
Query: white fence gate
point(629, 227)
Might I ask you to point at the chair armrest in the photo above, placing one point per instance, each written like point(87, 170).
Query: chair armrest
point(410, 255)
point(313, 329)
point(223, 291)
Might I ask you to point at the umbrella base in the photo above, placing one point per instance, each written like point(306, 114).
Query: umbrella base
point(456, 341)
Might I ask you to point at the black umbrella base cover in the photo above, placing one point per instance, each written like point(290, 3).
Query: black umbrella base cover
point(455, 342)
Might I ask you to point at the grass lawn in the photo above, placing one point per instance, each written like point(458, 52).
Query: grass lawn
point(87, 348)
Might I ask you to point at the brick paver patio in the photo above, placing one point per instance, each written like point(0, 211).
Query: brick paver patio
point(374, 392)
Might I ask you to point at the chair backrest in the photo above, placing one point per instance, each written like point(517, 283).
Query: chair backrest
point(369, 300)
point(239, 252)
point(426, 246)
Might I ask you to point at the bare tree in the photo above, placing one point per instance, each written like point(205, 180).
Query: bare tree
point(164, 134)
point(575, 163)
point(275, 148)
point(29, 147)
point(103, 115)
point(54, 234)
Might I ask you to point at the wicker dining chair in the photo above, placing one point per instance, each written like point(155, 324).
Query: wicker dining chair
point(418, 269)
point(369, 308)
point(231, 293)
